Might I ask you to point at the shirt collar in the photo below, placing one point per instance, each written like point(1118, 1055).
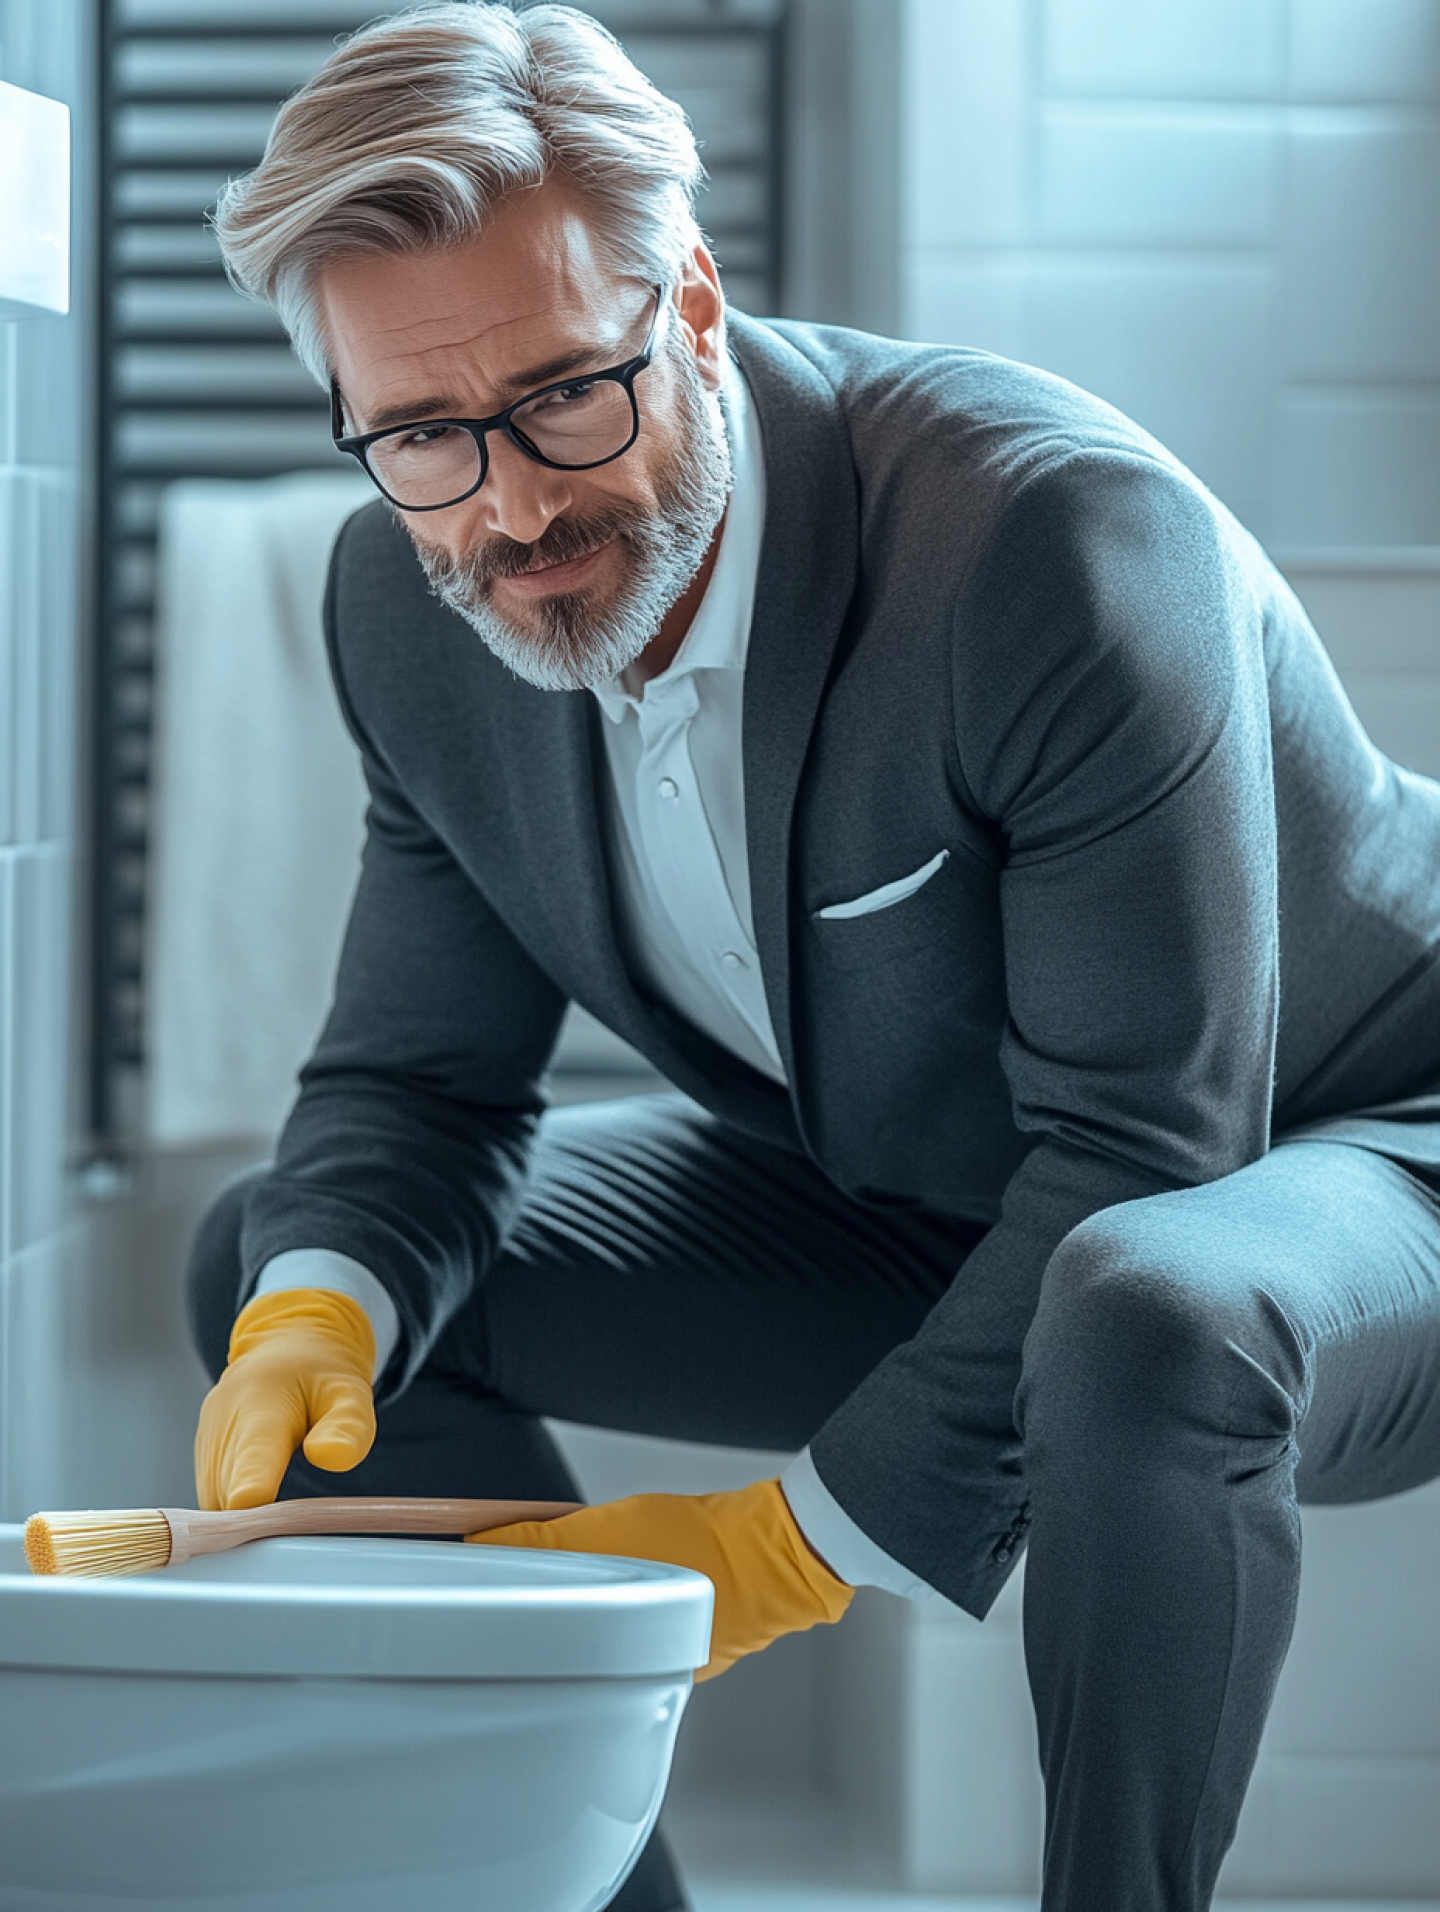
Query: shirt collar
point(719, 634)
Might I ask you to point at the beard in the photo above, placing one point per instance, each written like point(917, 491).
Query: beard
point(579, 639)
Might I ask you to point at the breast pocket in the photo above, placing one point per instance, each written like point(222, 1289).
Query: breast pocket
point(893, 923)
point(888, 894)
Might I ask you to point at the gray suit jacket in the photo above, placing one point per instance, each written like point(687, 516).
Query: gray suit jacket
point(1187, 904)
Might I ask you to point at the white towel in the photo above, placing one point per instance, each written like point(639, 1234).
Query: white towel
point(258, 802)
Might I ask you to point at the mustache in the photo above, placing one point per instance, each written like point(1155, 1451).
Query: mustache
point(562, 542)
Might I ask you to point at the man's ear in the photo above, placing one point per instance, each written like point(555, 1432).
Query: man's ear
point(701, 306)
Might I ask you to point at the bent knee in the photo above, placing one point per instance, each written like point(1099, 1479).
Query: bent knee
point(1121, 1286)
point(1146, 1315)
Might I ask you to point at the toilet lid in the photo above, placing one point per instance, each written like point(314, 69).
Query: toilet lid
point(371, 1608)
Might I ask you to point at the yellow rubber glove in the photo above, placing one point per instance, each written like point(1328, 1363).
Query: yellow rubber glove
point(767, 1579)
point(300, 1367)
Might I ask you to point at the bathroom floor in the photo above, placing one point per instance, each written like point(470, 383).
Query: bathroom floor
point(752, 1898)
point(759, 1898)
point(737, 1858)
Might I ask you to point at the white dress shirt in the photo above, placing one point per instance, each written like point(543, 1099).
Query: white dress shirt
point(677, 839)
point(677, 814)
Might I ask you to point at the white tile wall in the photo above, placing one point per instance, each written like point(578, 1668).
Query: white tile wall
point(31, 746)
point(41, 1019)
point(1356, 466)
point(43, 370)
point(7, 997)
point(34, 1461)
point(1359, 293)
point(11, 570)
point(1379, 50)
point(1211, 49)
point(1116, 174)
point(965, 81)
point(1221, 215)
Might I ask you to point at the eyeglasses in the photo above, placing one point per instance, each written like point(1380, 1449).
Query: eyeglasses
point(572, 425)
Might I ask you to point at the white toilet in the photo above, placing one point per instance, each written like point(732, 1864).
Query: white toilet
point(339, 1726)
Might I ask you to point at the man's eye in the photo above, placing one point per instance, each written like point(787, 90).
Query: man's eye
point(567, 396)
point(423, 437)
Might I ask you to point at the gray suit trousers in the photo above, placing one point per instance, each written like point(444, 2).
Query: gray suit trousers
point(1194, 1365)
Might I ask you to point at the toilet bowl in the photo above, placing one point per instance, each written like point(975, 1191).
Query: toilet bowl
point(339, 1726)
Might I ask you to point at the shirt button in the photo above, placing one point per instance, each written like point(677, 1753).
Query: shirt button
point(669, 789)
point(732, 959)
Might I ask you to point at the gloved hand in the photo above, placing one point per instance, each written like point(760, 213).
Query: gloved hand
point(299, 1370)
point(767, 1579)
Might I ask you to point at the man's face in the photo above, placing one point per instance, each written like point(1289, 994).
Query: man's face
point(567, 575)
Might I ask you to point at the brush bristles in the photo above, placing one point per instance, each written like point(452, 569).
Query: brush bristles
point(120, 1540)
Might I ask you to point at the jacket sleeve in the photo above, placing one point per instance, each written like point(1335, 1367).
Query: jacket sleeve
point(1112, 724)
point(408, 1143)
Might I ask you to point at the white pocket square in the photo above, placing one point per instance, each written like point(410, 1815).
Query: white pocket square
point(887, 893)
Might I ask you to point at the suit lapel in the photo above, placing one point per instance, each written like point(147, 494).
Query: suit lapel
point(557, 817)
point(563, 907)
point(808, 567)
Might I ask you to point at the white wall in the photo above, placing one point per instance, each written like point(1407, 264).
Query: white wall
point(98, 1388)
point(43, 369)
point(1221, 215)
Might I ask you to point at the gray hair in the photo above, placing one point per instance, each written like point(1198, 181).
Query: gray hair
point(416, 127)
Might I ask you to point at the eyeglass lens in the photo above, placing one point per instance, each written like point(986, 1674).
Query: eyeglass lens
point(580, 424)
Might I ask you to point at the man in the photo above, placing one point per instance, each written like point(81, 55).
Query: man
point(906, 754)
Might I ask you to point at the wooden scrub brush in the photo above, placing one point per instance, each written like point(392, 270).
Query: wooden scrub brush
point(140, 1539)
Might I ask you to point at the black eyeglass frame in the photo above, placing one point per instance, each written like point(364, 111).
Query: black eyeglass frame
point(626, 374)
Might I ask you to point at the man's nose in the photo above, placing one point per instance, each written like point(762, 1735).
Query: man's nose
point(520, 499)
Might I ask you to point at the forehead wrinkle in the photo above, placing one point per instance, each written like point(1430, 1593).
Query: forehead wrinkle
point(458, 343)
point(462, 354)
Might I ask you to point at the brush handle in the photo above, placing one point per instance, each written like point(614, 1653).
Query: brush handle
point(193, 1532)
